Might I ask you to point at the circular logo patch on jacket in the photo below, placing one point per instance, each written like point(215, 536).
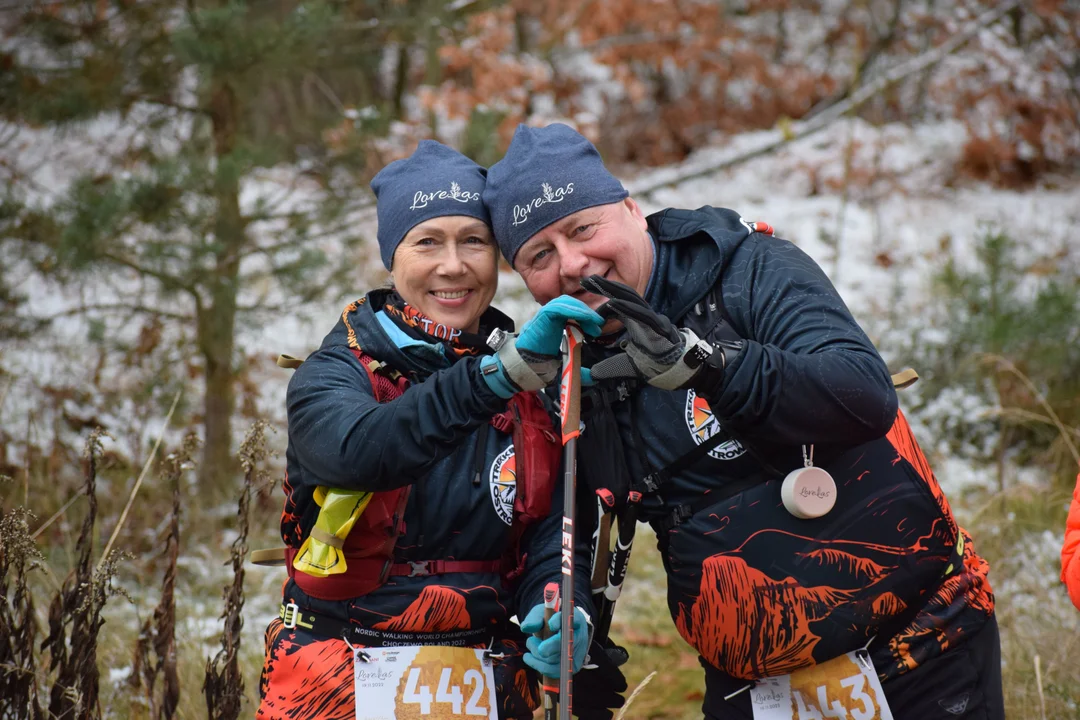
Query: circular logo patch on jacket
point(702, 424)
point(503, 484)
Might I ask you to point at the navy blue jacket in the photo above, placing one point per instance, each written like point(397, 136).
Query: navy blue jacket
point(340, 436)
point(755, 590)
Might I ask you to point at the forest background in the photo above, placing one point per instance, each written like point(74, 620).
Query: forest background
point(185, 196)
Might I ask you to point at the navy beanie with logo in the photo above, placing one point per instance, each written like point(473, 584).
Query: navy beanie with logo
point(434, 181)
point(546, 174)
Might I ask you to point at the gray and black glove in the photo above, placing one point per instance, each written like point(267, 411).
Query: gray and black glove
point(599, 686)
point(663, 355)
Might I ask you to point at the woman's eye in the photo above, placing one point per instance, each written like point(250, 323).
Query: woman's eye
point(476, 240)
point(425, 241)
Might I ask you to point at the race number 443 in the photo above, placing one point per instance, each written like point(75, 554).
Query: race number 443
point(845, 688)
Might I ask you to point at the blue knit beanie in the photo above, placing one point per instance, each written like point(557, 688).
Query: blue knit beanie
point(546, 174)
point(434, 181)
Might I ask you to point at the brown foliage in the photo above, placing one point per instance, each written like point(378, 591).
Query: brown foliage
point(224, 683)
point(1022, 104)
point(75, 613)
point(158, 633)
point(18, 662)
point(649, 82)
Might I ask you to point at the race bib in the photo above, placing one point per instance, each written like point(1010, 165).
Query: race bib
point(434, 682)
point(845, 688)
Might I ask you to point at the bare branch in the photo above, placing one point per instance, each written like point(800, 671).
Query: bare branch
point(169, 281)
point(327, 91)
point(880, 44)
point(127, 307)
point(166, 102)
point(629, 40)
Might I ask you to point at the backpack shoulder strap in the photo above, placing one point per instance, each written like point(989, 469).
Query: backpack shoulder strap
point(288, 362)
point(386, 383)
point(709, 317)
point(905, 378)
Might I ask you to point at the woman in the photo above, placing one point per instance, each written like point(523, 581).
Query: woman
point(403, 412)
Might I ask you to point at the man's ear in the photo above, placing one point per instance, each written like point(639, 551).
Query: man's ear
point(636, 213)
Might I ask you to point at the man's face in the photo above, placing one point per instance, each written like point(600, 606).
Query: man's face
point(608, 240)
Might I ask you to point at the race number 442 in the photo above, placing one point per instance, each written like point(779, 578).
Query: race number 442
point(419, 694)
point(429, 682)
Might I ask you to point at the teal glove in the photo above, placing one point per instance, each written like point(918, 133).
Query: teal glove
point(544, 656)
point(530, 361)
point(542, 335)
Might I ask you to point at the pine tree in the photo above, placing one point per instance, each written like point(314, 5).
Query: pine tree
point(198, 212)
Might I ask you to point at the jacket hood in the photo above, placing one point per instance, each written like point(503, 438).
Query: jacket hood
point(692, 249)
point(359, 328)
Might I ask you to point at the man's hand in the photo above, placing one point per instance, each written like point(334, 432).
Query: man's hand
point(599, 687)
point(656, 349)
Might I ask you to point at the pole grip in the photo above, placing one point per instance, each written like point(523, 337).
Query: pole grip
point(550, 685)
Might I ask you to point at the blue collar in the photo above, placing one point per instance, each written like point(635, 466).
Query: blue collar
point(410, 345)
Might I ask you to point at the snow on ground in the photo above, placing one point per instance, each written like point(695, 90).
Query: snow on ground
point(880, 241)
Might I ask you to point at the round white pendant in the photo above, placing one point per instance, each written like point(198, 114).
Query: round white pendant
point(808, 492)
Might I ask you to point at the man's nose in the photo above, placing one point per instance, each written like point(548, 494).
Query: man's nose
point(572, 264)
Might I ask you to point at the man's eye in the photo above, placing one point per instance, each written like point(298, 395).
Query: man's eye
point(541, 255)
point(580, 229)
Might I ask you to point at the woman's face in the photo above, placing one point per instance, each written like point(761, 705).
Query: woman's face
point(447, 268)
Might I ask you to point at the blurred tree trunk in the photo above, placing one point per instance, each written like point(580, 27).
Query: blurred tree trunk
point(217, 321)
point(401, 80)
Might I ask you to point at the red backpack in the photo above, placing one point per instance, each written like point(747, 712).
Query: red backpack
point(369, 547)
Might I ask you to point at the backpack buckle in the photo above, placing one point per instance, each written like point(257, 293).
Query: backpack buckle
point(418, 569)
point(289, 614)
point(651, 482)
point(681, 514)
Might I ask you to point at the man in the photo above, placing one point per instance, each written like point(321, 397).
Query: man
point(730, 364)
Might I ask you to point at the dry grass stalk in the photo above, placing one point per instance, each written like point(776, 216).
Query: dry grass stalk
point(637, 691)
point(138, 483)
point(1039, 685)
point(27, 459)
point(7, 389)
point(18, 663)
point(159, 632)
point(56, 515)
point(75, 614)
point(224, 684)
point(1064, 432)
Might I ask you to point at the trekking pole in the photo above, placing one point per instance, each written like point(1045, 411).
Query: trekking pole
point(601, 548)
point(570, 404)
point(551, 687)
point(620, 561)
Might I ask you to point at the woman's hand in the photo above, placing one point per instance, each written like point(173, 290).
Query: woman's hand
point(530, 360)
point(542, 335)
point(545, 656)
